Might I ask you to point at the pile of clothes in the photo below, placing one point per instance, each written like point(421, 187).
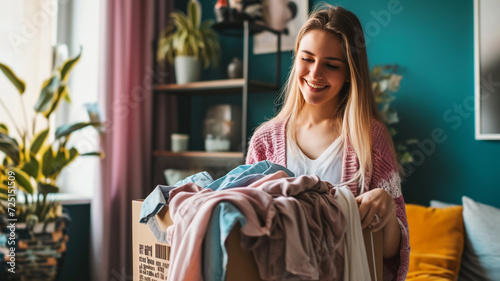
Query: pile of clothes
point(296, 227)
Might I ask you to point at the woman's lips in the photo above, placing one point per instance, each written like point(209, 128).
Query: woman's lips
point(315, 87)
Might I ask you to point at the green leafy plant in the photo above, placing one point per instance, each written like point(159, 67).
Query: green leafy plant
point(385, 83)
point(185, 35)
point(32, 163)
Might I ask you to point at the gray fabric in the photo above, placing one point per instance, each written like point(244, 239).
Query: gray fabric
point(441, 204)
point(481, 258)
point(160, 235)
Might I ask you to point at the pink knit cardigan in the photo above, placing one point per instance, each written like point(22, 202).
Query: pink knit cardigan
point(269, 143)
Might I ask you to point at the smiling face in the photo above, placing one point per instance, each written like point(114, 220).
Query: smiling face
point(321, 69)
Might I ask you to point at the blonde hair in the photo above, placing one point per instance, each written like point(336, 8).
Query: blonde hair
point(357, 105)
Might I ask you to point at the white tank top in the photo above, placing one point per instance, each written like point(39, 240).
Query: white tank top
point(328, 166)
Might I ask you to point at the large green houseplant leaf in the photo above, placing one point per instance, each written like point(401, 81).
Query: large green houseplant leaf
point(32, 163)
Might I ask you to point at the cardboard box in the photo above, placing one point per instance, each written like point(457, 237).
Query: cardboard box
point(151, 258)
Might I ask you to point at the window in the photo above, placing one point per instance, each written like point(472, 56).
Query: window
point(32, 28)
point(27, 32)
point(78, 26)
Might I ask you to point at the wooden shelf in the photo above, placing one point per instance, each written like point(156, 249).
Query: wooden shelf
point(198, 159)
point(214, 87)
point(199, 154)
point(235, 28)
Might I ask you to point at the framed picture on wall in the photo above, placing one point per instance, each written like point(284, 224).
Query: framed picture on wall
point(487, 69)
point(281, 14)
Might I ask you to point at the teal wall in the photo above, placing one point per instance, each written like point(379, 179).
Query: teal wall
point(432, 41)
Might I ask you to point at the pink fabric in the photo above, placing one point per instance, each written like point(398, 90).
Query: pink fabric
point(125, 89)
point(269, 143)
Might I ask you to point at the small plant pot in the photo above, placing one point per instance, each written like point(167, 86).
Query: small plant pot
point(187, 69)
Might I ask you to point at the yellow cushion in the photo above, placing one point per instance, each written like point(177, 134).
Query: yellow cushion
point(436, 241)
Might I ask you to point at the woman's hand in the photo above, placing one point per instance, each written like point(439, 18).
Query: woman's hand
point(376, 209)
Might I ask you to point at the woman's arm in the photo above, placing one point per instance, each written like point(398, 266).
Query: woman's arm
point(392, 237)
point(385, 179)
point(255, 152)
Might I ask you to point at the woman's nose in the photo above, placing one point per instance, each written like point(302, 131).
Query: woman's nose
point(316, 72)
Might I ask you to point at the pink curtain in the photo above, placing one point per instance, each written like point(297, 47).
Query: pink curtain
point(126, 72)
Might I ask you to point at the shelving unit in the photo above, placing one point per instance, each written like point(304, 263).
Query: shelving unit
point(214, 162)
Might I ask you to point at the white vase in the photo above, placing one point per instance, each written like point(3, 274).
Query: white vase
point(187, 69)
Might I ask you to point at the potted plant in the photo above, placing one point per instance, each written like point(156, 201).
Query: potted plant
point(185, 41)
point(32, 225)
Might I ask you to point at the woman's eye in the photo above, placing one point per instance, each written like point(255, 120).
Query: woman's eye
point(330, 66)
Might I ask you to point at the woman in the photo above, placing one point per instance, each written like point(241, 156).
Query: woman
point(329, 126)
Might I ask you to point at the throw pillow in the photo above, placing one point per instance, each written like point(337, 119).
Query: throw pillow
point(441, 204)
point(436, 241)
point(481, 259)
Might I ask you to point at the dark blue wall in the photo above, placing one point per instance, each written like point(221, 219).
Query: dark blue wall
point(432, 41)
